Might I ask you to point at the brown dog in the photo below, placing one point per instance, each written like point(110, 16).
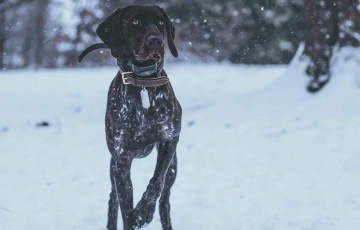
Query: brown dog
point(142, 111)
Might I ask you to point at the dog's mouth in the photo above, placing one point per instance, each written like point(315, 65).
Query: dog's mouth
point(145, 63)
point(152, 57)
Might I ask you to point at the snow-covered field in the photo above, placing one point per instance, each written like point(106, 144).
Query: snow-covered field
point(256, 152)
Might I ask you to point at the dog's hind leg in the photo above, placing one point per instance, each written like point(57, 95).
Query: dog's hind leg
point(164, 203)
point(113, 202)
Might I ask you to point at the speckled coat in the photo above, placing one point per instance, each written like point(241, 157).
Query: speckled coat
point(132, 131)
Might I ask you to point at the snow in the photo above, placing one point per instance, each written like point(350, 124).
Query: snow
point(256, 150)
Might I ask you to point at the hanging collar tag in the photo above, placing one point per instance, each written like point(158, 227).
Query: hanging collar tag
point(145, 100)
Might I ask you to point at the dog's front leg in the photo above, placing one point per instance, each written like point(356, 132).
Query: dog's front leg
point(144, 211)
point(123, 187)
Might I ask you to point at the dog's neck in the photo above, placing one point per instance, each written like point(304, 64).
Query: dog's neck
point(146, 70)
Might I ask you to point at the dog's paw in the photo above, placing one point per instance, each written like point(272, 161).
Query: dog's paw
point(143, 213)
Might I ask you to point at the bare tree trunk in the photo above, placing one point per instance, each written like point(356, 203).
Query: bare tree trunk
point(2, 36)
point(26, 49)
point(40, 34)
point(321, 33)
point(328, 23)
point(2, 40)
point(33, 48)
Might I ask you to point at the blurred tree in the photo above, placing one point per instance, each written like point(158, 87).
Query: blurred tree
point(263, 31)
point(39, 36)
point(85, 34)
point(108, 6)
point(34, 38)
point(349, 22)
point(328, 23)
point(4, 7)
point(9, 4)
point(321, 35)
point(2, 37)
point(247, 31)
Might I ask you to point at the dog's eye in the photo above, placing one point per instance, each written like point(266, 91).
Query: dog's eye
point(135, 21)
point(161, 23)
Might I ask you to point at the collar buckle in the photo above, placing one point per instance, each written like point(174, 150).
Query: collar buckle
point(125, 79)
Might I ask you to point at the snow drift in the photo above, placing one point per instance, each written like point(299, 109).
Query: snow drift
point(256, 150)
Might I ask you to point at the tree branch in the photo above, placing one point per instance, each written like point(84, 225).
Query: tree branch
point(351, 33)
point(9, 4)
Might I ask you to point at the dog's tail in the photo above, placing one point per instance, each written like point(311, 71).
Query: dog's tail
point(92, 48)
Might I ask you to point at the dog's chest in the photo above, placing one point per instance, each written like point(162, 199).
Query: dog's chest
point(156, 115)
point(156, 120)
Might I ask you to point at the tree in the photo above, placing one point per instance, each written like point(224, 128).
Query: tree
point(328, 23)
point(264, 31)
point(6, 5)
point(9, 4)
point(2, 38)
point(349, 22)
point(33, 49)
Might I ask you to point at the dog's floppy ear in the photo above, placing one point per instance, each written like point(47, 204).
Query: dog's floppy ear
point(170, 33)
point(109, 30)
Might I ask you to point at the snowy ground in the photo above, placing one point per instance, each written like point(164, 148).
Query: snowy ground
point(256, 151)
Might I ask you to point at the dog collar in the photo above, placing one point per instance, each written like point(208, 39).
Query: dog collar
point(129, 78)
point(141, 76)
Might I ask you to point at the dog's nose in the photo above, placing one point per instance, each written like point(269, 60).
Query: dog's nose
point(154, 42)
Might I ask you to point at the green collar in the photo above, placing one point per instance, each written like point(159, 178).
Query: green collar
point(138, 70)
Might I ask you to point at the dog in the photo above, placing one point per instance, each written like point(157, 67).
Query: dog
point(142, 111)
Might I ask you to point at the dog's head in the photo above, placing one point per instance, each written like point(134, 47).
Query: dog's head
point(138, 33)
